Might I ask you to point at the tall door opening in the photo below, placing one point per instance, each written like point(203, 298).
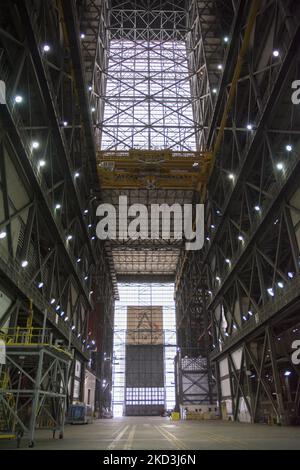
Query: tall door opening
point(144, 350)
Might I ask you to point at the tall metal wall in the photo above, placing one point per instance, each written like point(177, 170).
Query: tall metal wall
point(249, 269)
point(48, 185)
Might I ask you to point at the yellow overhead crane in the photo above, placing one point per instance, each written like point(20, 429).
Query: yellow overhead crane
point(153, 169)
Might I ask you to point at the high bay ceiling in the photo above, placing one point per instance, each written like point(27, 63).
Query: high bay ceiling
point(150, 111)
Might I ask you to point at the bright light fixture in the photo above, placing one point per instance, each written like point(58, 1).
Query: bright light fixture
point(40, 285)
point(271, 292)
point(3, 235)
point(18, 99)
point(276, 53)
point(289, 148)
point(58, 206)
point(24, 263)
point(46, 48)
point(42, 163)
point(35, 144)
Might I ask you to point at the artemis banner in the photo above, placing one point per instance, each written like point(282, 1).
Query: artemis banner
point(144, 325)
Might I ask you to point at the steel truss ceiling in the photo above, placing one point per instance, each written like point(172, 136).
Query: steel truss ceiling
point(143, 96)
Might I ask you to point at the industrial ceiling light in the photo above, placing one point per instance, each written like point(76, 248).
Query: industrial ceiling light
point(271, 292)
point(280, 166)
point(215, 91)
point(69, 237)
point(52, 301)
point(287, 373)
point(3, 235)
point(90, 88)
point(67, 318)
point(40, 285)
point(289, 148)
point(73, 327)
point(241, 238)
point(280, 285)
point(231, 176)
point(220, 67)
point(82, 36)
point(78, 260)
point(291, 275)
point(77, 174)
point(93, 238)
point(35, 145)
point(91, 292)
point(93, 109)
point(276, 53)
point(18, 99)
point(250, 127)
point(42, 163)
point(90, 226)
point(226, 39)
point(86, 211)
point(46, 48)
point(58, 206)
point(257, 208)
point(24, 263)
point(57, 307)
point(65, 123)
point(227, 261)
point(86, 278)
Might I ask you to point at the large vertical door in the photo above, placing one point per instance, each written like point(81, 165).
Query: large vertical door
point(144, 380)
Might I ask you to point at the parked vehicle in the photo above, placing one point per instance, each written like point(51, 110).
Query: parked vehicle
point(80, 413)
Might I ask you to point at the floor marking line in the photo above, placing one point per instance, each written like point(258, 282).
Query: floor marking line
point(179, 445)
point(128, 444)
point(116, 440)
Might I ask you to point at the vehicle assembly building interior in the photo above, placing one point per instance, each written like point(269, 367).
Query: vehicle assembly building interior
point(150, 224)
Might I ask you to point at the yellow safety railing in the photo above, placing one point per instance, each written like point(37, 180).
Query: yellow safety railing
point(26, 336)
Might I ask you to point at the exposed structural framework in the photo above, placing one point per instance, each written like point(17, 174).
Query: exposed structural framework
point(35, 377)
point(250, 266)
point(49, 252)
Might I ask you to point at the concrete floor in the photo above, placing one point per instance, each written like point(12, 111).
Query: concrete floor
point(162, 434)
